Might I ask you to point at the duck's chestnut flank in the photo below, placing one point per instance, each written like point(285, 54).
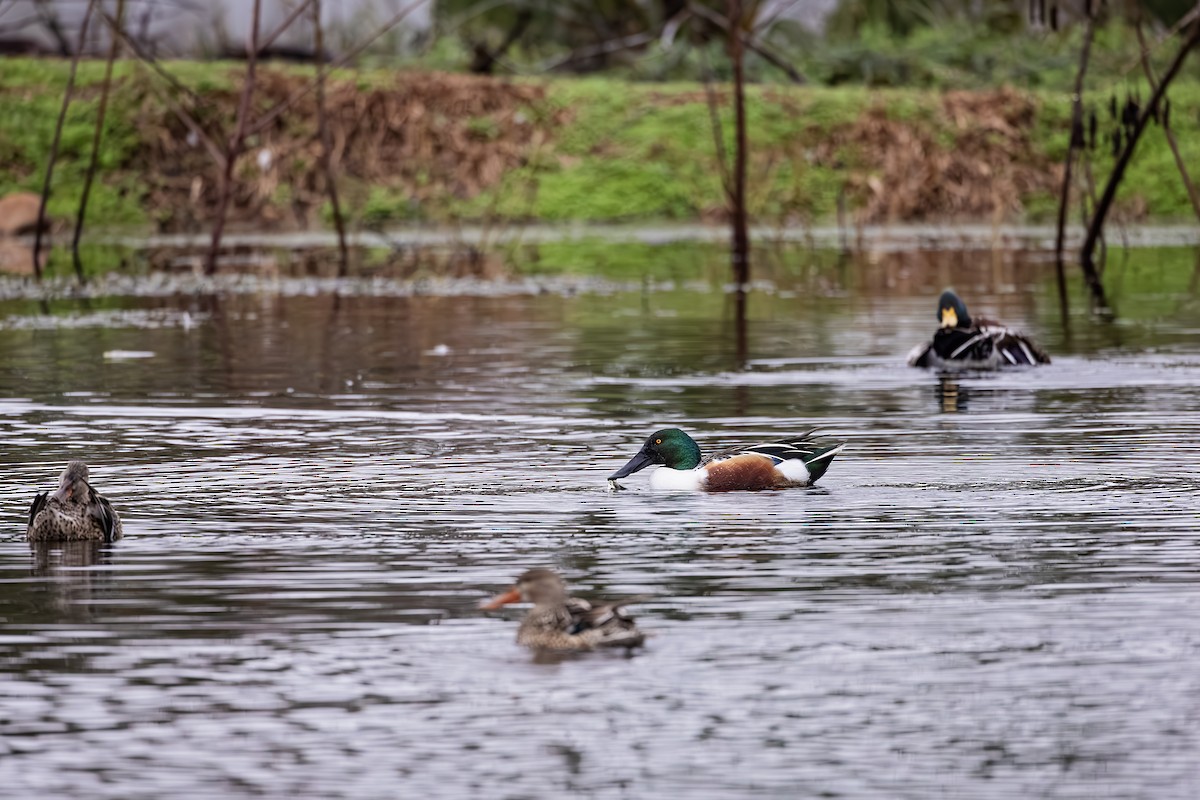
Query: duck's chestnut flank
point(794, 461)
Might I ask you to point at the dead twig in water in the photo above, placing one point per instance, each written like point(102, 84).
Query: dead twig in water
point(236, 142)
point(741, 233)
point(58, 127)
point(327, 145)
point(1087, 257)
point(97, 134)
point(1165, 119)
point(1076, 142)
point(718, 131)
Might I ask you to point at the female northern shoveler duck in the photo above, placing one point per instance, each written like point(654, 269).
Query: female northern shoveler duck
point(74, 512)
point(558, 621)
point(964, 343)
point(798, 461)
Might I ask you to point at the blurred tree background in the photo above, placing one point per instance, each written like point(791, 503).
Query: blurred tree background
point(952, 43)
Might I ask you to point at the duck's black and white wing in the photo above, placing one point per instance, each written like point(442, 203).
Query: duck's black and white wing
point(617, 627)
point(106, 517)
point(804, 448)
point(35, 508)
point(920, 356)
point(799, 446)
point(985, 346)
point(1017, 349)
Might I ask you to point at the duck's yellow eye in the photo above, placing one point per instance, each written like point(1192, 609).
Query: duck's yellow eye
point(658, 441)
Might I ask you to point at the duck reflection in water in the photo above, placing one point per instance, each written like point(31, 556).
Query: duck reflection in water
point(67, 571)
point(952, 397)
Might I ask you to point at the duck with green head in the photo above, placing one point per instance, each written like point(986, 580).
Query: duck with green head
point(963, 342)
point(795, 461)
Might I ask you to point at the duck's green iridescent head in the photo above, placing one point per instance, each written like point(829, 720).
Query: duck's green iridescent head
point(952, 311)
point(669, 447)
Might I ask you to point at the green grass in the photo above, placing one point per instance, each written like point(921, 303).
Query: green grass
point(31, 96)
point(632, 152)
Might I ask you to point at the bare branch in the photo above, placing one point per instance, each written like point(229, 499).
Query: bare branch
point(602, 49)
point(1118, 171)
point(189, 121)
point(718, 132)
point(1183, 22)
point(114, 46)
point(1193, 195)
point(327, 145)
point(761, 49)
point(669, 31)
point(485, 61)
point(1075, 141)
point(283, 26)
point(58, 127)
point(234, 147)
point(741, 233)
point(49, 17)
point(272, 114)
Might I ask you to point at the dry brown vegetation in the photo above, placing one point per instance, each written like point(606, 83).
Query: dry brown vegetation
point(432, 137)
point(981, 166)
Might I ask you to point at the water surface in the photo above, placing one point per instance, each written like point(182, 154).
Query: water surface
point(994, 592)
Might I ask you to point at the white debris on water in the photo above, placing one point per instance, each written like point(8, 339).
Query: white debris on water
point(122, 355)
point(146, 319)
point(188, 285)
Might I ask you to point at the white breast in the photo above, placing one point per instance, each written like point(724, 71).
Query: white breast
point(665, 479)
point(794, 470)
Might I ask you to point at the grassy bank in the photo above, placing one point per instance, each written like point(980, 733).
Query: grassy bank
point(430, 148)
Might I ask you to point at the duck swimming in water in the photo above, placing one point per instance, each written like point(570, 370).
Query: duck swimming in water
point(796, 461)
point(965, 343)
point(74, 512)
point(558, 621)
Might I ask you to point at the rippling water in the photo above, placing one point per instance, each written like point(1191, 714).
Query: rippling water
point(994, 592)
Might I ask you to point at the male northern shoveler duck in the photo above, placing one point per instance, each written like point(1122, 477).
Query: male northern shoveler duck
point(797, 461)
point(558, 621)
point(964, 343)
point(75, 512)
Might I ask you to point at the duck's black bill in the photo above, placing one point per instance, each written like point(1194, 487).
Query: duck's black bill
point(642, 460)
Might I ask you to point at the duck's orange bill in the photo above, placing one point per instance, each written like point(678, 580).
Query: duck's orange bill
point(513, 595)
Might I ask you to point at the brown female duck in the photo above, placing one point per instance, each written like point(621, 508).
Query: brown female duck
point(75, 512)
point(558, 621)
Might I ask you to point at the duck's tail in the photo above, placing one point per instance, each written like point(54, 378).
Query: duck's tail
point(818, 462)
point(35, 508)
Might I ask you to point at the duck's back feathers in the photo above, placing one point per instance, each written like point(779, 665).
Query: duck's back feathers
point(615, 627)
point(578, 625)
point(776, 450)
point(1016, 348)
point(800, 459)
point(980, 347)
point(93, 518)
